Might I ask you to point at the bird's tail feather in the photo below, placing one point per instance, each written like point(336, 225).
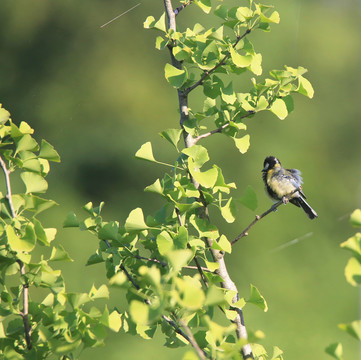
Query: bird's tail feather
point(307, 208)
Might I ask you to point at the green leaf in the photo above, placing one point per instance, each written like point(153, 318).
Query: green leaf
point(151, 23)
point(249, 198)
point(71, 220)
point(58, 253)
point(257, 299)
point(164, 243)
point(192, 296)
point(50, 234)
point(34, 182)
point(95, 258)
point(109, 231)
point(228, 211)
point(277, 353)
point(4, 115)
point(242, 143)
point(205, 5)
point(335, 350)
point(145, 152)
point(37, 204)
point(214, 296)
point(222, 244)
point(279, 108)
point(353, 272)
point(156, 187)
point(135, 221)
point(354, 245)
point(139, 311)
point(119, 279)
point(204, 228)
point(25, 243)
point(115, 321)
point(101, 293)
point(175, 77)
point(48, 152)
point(190, 355)
point(41, 233)
point(239, 60)
point(77, 299)
point(355, 218)
point(198, 153)
point(305, 87)
point(228, 95)
point(172, 135)
point(207, 178)
point(179, 258)
point(26, 143)
point(60, 347)
point(353, 328)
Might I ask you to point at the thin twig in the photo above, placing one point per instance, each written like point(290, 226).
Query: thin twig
point(259, 217)
point(8, 187)
point(220, 129)
point(201, 354)
point(162, 263)
point(190, 267)
point(175, 327)
point(209, 72)
point(117, 17)
point(199, 267)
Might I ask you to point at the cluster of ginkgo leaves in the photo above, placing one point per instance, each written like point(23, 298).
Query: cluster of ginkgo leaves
point(162, 261)
point(353, 277)
point(59, 324)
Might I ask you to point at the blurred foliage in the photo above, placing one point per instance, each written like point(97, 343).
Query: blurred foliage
point(99, 94)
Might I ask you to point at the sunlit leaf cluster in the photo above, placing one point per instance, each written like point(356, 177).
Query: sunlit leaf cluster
point(62, 323)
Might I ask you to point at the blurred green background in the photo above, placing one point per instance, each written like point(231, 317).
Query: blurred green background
point(98, 94)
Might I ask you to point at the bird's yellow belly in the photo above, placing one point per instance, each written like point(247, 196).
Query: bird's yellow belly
point(282, 187)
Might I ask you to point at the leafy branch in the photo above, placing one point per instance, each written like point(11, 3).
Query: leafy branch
point(222, 62)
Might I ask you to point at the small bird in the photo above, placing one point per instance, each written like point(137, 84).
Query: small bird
point(285, 184)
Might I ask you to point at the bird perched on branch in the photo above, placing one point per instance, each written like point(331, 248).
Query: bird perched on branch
point(285, 184)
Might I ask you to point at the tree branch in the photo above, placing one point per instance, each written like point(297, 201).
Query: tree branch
point(217, 255)
point(8, 187)
point(259, 217)
point(201, 354)
point(25, 313)
point(220, 129)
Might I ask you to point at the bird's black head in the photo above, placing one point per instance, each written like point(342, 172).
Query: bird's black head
point(270, 162)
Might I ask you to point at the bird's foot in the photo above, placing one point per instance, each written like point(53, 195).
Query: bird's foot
point(285, 200)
